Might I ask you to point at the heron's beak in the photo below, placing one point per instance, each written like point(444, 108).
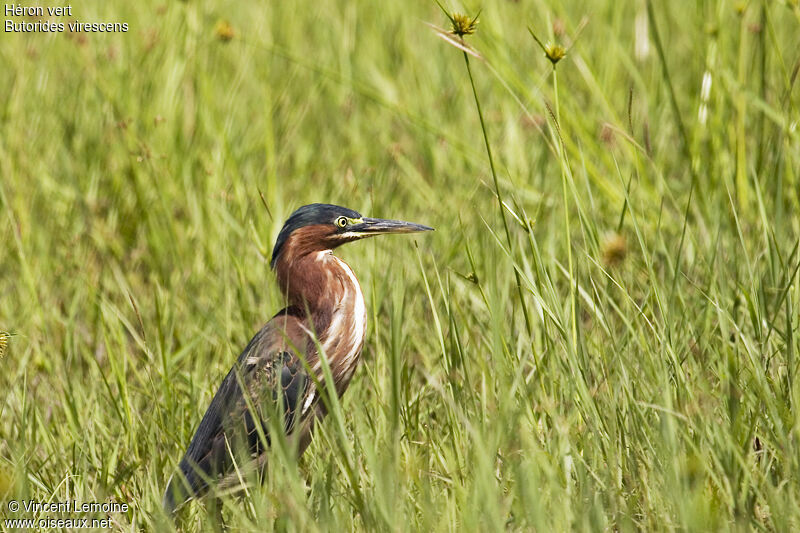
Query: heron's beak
point(378, 226)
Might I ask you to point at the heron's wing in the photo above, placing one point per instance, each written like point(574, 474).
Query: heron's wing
point(267, 371)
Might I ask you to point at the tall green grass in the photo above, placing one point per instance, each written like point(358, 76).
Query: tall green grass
point(652, 240)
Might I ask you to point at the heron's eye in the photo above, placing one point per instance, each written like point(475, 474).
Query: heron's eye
point(341, 222)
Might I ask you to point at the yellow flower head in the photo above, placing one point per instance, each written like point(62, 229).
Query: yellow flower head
point(463, 24)
point(224, 31)
point(554, 52)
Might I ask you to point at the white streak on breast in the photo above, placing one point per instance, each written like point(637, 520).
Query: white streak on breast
point(359, 315)
point(307, 403)
point(348, 322)
point(333, 333)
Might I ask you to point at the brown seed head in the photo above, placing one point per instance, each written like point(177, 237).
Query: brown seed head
point(559, 28)
point(614, 249)
point(607, 134)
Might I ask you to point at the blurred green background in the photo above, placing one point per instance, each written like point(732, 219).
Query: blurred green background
point(651, 194)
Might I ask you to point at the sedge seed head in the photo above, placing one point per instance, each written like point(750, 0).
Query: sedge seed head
point(463, 24)
point(554, 52)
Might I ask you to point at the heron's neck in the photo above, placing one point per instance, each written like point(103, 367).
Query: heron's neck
point(324, 288)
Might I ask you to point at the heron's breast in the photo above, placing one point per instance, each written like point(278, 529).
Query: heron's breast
point(344, 336)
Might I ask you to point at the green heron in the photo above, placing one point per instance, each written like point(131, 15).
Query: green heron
point(282, 365)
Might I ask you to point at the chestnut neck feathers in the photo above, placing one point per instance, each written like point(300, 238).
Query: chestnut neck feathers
point(325, 290)
point(305, 276)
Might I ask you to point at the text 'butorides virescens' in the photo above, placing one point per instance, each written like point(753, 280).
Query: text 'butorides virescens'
point(280, 372)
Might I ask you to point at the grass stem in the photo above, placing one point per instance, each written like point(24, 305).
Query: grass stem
point(500, 205)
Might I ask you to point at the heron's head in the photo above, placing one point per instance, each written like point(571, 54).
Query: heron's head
point(317, 227)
